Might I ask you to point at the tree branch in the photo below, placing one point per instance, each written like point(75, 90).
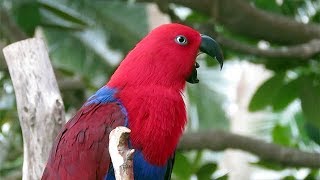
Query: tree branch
point(239, 16)
point(40, 106)
point(220, 140)
point(301, 51)
point(121, 155)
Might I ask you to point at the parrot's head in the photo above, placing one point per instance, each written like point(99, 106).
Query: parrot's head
point(166, 57)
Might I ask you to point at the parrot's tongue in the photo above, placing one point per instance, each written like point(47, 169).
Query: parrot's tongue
point(193, 78)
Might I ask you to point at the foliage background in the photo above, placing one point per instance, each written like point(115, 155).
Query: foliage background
point(87, 39)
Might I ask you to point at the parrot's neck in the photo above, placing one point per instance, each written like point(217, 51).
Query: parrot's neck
point(157, 118)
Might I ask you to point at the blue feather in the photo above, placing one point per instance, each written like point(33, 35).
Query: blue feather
point(103, 95)
point(142, 169)
point(145, 170)
point(107, 95)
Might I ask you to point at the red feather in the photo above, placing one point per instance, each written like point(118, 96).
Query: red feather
point(157, 118)
point(81, 149)
point(149, 82)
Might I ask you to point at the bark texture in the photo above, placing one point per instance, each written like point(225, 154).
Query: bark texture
point(40, 107)
point(121, 155)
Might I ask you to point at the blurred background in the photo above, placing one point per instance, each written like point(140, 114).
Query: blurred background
point(269, 87)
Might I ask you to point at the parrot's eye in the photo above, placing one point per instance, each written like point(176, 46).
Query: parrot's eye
point(182, 40)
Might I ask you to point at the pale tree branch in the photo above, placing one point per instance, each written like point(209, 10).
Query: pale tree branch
point(220, 140)
point(121, 155)
point(40, 106)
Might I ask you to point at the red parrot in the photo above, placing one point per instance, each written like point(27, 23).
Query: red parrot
point(143, 94)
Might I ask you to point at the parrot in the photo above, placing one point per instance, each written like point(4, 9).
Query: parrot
point(145, 95)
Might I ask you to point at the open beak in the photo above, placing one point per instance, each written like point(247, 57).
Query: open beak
point(211, 48)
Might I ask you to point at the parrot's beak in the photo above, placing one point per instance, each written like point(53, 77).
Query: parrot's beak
point(211, 48)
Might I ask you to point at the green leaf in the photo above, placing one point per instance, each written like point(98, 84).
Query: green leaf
point(268, 5)
point(88, 53)
point(62, 12)
point(277, 65)
point(266, 92)
point(316, 17)
point(313, 132)
point(291, 8)
point(206, 171)
point(78, 60)
point(182, 166)
point(27, 16)
point(314, 174)
point(197, 159)
point(282, 135)
point(301, 125)
point(289, 178)
point(126, 23)
point(196, 17)
point(286, 94)
point(310, 100)
point(268, 165)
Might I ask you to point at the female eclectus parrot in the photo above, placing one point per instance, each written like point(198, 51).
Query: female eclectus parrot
point(144, 94)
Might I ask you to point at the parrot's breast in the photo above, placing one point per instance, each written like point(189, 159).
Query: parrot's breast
point(157, 118)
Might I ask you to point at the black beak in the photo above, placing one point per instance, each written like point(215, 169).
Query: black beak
point(210, 47)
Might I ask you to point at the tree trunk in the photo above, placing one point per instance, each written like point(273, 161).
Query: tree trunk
point(40, 107)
